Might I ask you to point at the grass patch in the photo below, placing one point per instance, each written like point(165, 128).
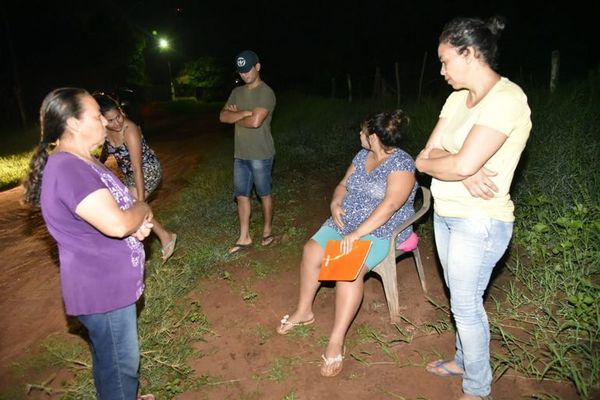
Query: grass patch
point(264, 333)
point(56, 353)
point(291, 396)
point(13, 168)
point(261, 269)
point(301, 331)
point(281, 369)
point(248, 295)
point(549, 320)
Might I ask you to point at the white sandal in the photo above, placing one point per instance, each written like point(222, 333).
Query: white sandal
point(287, 325)
point(331, 365)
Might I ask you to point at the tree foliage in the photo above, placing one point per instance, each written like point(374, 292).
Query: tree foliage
point(203, 72)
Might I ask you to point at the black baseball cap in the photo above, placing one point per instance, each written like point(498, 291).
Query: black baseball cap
point(246, 60)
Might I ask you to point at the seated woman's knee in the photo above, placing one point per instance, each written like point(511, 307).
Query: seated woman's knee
point(312, 249)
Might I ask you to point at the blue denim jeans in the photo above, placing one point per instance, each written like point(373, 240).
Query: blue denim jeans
point(469, 249)
point(248, 173)
point(115, 352)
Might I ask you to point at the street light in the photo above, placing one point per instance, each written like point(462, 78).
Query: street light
point(163, 45)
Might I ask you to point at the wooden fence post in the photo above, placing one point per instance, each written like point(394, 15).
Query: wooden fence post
point(377, 84)
point(421, 77)
point(349, 81)
point(554, 70)
point(397, 85)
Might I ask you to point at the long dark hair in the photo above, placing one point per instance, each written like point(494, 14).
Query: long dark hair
point(106, 103)
point(389, 127)
point(474, 32)
point(58, 106)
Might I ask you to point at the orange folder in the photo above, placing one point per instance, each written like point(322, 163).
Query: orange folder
point(343, 267)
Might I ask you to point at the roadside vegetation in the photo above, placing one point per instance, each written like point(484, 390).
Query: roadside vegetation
point(16, 147)
point(545, 314)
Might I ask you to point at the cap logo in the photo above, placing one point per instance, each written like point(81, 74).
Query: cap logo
point(241, 61)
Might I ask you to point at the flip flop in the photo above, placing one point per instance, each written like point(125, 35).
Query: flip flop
point(236, 248)
point(267, 240)
point(168, 249)
point(146, 397)
point(332, 366)
point(441, 365)
point(287, 325)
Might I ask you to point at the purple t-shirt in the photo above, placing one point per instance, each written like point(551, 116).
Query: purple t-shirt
point(98, 273)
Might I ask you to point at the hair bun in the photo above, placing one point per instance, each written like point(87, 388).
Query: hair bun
point(399, 118)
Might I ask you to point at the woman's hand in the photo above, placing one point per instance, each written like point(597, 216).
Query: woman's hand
point(480, 185)
point(336, 213)
point(347, 242)
point(143, 231)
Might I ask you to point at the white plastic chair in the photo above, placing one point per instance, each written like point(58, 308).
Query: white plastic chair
point(387, 268)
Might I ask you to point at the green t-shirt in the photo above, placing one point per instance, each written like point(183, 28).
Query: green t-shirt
point(254, 143)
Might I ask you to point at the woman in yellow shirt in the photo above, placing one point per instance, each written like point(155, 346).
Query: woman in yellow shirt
point(472, 154)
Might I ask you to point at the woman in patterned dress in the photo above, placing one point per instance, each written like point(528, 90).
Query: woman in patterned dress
point(136, 160)
point(374, 197)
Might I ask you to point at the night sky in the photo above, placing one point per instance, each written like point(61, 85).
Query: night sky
point(302, 44)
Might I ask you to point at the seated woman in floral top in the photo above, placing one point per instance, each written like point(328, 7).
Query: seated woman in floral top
point(374, 197)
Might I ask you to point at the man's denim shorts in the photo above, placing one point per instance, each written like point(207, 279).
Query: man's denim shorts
point(248, 173)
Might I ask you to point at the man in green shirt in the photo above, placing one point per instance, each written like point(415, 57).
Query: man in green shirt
point(250, 109)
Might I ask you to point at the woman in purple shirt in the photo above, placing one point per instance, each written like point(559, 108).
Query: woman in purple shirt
point(374, 197)
point(98, 228)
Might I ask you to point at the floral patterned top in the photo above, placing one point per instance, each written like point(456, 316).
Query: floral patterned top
point(366, 190)
point(150, 165)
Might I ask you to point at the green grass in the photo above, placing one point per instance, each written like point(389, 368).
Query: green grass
point(281, 368)
point(549, 322)
point(16, 147)
point(264, 333)
point(13, 168)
